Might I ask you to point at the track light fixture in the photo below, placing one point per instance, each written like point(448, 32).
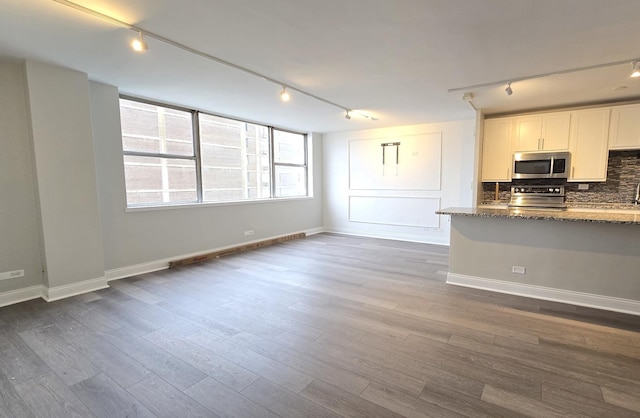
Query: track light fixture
point(347, 115)
point(139, 44)
point(284, 94)
point(509, 90)
point(636, 68)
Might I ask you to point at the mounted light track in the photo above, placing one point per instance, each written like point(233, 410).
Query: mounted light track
point(199, 53)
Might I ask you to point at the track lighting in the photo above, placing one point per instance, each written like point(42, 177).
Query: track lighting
point(636, 68)
point(284, 94)
point(509, 90)
point(139, 43)
point(347, 115)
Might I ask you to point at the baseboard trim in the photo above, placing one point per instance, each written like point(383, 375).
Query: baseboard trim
point(20, 295)
point(60, 292)
point(404, 238)
point(589, 300)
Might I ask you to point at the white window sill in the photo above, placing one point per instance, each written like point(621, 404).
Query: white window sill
point(174, 206)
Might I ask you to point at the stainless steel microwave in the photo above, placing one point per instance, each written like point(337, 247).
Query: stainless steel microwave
point(541, 165)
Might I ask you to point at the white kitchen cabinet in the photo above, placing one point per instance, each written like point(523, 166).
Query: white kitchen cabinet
point(548, 131)
point(589, 144)
point(624, 132)
point(496, 149)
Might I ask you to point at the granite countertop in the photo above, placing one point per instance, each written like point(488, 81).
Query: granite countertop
point(574, 214)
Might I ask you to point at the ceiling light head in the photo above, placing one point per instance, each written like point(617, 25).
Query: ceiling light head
point(467, 97)
point(284, 94)
point(636, 69)
point(509, 90)
point(139, 44)
point(347, 115)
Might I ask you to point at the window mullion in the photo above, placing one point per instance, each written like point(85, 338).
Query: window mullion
point(196, 150)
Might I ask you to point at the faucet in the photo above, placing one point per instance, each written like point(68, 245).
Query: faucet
point(636, 201)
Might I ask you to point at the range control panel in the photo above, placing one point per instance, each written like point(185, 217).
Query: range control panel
point(537, 196)
point(550, 190)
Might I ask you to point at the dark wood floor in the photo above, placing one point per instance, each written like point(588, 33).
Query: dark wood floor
point(326, 326)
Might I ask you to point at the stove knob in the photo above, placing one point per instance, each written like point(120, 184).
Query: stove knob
point(557, 190)
point(551, 189)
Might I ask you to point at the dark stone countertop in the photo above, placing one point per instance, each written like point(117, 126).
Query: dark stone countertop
point(574, 214)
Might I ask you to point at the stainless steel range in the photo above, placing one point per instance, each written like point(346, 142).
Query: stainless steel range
point(537, 196)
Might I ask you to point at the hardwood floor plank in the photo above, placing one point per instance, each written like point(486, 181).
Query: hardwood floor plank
point(284, 403)
point(226, 402)
point(107, 399)
point(135, 292)
point(340, 378)
point(63, 358)
point(354, 363)
point(524, 405)
point(622, 399)
point(112, 361)
point(48, 396)
point(20, 363)
point(164, 400)
point(272, 370)
point(343, 403)
point(403, 404)
point(165, 365)
point(207, 361)
point(561, 398)
point(11, 403)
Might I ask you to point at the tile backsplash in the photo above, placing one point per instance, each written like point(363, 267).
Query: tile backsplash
point(623, 175)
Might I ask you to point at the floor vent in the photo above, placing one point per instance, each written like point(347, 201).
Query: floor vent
point(233, 250)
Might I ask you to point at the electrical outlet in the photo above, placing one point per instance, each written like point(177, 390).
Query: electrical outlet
point(249, 232)
point(518, 270)
point(583, 186)
point(11, 274)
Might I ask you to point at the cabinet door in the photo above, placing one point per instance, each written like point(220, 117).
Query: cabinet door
point(528, 132)
point(496, 150)
point(555, 131)
point(589, 140)
point(625, 127)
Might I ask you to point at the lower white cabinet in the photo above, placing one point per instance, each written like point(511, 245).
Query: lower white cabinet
point(588, 144)
point(625, 127)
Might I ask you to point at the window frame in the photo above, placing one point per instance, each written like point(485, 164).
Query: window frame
point(273, 162)
point(197, 158)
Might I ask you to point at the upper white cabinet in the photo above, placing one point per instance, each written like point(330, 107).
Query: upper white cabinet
point(542, 132)
point(625, 127)
point(496, 149)
point(588, 144)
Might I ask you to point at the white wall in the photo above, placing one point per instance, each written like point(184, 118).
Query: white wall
point(65, 174)
point(19, 243)
point(140, 240)
point(457, 176)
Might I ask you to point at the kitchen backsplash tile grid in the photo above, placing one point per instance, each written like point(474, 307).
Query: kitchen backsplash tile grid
point(623, 175)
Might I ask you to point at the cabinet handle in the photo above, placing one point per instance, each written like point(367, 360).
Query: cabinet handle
point(573, 170)
point(542, 147)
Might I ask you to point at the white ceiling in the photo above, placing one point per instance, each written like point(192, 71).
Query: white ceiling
point(393, 58)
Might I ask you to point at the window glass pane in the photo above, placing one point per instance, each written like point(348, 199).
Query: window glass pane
point(290, 181)
point(235, 159)
point(152, 180)
point(155, 129)
point(288, 147)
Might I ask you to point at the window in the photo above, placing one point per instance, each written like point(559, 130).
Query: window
point(179, 156)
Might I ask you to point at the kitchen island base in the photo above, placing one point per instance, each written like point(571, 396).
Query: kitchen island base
point(594, 264)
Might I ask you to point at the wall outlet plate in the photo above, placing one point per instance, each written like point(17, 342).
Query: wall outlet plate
point(583, 187)
point(518, 270)
point(249, 232)
point(11, 274)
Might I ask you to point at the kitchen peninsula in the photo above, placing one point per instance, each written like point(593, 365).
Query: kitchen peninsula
point(583, 257)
